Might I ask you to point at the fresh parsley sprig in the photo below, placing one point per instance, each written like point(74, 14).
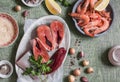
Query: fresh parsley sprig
point(37, 67)
point(64, 2)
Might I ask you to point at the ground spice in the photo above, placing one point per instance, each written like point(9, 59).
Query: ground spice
point(4, 69)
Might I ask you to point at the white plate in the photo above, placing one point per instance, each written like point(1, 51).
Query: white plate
point(31, 33)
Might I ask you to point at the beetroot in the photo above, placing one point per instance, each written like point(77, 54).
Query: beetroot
point(57, 59)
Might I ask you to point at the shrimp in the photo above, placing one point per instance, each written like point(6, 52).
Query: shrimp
point(92, 3)
point(96, 30)
point(79, 8)
point(84, 19)
point(82, 8)
point(85, 6)
point(95, 16)
point(90, 31)
point(92, 24)
point(104, 27)
point(105, 14)
point(100, 24)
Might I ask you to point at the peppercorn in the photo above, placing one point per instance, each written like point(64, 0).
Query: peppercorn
point(80, 55)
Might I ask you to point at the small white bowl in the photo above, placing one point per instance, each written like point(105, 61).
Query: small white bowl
point(11, 68)
point(114, 56)
point(38, 2)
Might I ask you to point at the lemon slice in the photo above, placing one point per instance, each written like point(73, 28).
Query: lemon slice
point(53, 7)
point(101, 5)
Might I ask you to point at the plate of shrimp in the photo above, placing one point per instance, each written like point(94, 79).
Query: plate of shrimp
point(89, 21)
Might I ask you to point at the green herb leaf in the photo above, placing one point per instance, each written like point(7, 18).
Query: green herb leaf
point(50, 61)
point(28, 71)
point(60, 0)
point(37, 67)
point(64, 2)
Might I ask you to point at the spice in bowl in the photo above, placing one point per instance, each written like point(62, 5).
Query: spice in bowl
point(5, 69)
point(114, 55)
point(32, 3)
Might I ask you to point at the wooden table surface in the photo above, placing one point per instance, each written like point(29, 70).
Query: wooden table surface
point(95, 49)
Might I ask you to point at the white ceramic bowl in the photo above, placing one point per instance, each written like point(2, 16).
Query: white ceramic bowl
point(38, 2)
point(114, 56)
point(11, 69)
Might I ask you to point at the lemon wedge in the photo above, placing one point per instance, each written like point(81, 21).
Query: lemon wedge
point(101, 5)
point(53, 7)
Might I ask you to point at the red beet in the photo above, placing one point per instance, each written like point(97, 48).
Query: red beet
point(57, 59)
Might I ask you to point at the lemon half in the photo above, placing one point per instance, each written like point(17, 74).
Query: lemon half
point(53, 7)
point(101, 5)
